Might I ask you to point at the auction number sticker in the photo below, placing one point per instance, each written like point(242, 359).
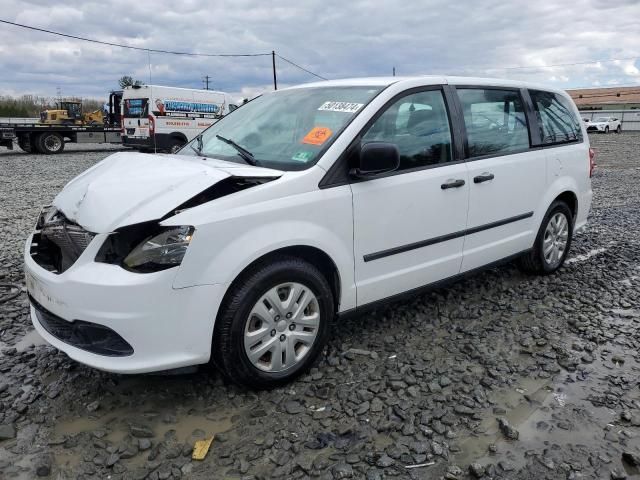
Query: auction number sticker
point(317, 136)
point(345, 107)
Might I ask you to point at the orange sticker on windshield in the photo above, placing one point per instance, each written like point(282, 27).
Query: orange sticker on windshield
point(317, 135)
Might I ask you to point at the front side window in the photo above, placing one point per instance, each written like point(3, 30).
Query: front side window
point(286, 130)
point(418, 125)
point(495, 121)
point(556, 120)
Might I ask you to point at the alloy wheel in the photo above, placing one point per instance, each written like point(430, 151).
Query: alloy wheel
point(282, 327)
point(556, 237)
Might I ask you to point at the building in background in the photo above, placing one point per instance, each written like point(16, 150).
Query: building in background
point(619, 102)
point(610, 98)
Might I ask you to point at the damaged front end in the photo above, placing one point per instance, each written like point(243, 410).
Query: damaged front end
point(150, 247)
point(58, 242)
point(141, 248)
point(127, 197)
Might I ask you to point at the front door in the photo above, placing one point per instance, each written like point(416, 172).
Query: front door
point(409, 224)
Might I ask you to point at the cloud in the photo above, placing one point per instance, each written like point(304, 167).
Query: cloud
point(334, 38)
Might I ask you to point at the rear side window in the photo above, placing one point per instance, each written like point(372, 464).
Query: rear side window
point(556, 120)
point(495, 121)
point(419, 126)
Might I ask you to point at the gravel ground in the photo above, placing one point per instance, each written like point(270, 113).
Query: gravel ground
point(500, 376)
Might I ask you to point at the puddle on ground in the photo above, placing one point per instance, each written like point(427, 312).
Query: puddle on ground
point(550, 412)
point(116, 425)
point(30, 338)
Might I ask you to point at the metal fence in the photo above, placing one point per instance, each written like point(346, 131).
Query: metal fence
point(630, 118)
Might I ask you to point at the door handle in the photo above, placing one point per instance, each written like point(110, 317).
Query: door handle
point(485, 177)
point(452, 184)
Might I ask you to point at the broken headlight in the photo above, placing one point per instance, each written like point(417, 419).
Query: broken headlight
point(146, 247)
point(160, 251)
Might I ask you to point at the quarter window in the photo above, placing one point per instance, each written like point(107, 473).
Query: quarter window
point(556, 120)
point(495, 121)
point(418, 125)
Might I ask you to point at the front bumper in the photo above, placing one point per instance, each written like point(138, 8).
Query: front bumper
point(165, 327)
point(137, 142)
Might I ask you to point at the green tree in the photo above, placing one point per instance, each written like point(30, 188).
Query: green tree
point(128, 81)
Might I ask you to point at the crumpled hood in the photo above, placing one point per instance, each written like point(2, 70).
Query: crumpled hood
point(128, 188)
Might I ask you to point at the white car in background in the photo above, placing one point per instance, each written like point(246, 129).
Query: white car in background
point(604, 124)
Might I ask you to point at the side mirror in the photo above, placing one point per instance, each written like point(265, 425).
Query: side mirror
point(376, 158)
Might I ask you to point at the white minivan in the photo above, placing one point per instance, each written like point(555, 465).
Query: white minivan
point(304, 206)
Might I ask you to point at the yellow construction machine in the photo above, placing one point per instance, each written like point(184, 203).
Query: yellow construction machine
point(70, 113)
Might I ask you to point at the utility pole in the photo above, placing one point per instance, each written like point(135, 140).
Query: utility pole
point(273, 62)
point(394, 71)
point(205, 80)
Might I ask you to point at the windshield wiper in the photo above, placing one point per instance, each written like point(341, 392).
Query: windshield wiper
point(246, 155)
point(198, 150)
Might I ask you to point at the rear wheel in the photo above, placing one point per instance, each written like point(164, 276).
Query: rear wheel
point(50, 143)
point(274, 323)
point(619, 129)
point(552, 242)
point(175, 145)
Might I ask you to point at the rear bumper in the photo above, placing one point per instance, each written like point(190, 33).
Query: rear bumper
point(165, 327)
point(584, 207)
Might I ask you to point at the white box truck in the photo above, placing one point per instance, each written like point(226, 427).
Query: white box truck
point(157, 118)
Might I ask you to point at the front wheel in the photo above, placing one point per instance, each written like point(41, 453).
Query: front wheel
point(273, 324)
point(606, 129)
point(552, 242)
point(176, 145)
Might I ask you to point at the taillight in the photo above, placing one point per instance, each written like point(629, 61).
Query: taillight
point(592, 161)
point(152, 125)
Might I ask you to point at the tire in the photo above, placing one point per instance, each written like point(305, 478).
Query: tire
point(535, 262)
point(606, 129)
point(236, 322)
point(25, 144)
point(50, 143)
point(175, 144)
point(619, 129)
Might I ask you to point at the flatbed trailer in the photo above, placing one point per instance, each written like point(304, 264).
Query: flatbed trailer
point(50, 139)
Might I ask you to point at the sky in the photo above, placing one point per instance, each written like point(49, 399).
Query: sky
point(333, 38)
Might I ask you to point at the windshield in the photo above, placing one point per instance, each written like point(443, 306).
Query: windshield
point(286, 130)
point(602, 119)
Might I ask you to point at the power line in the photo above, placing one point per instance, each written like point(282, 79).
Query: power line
point(605, 60)
point(131, 47)
point(301, 68)
point(154, 50)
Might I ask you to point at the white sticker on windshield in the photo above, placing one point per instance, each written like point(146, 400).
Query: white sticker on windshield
point(346, 107)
